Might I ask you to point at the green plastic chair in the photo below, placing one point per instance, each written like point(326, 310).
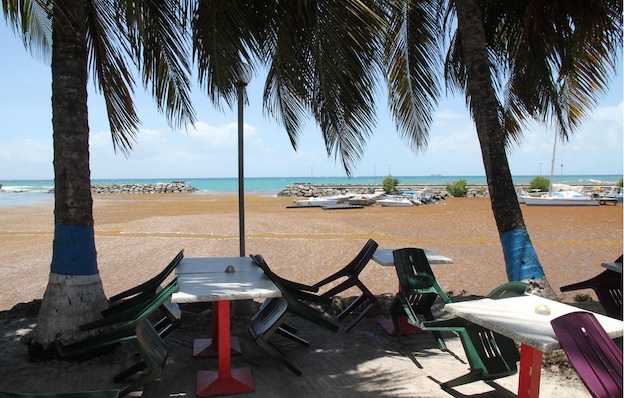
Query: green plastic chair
point(490, 355)
point(298, 290)
point(419, 290)
point(272, 313)
point(269, 320)
point(140, 332)
point(137, 295)
point(509, 289)
point(128, 304)
point(84, 394)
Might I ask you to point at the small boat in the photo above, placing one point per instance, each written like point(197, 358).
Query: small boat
point(562, 198)
point(322, 201)
point(613, 194)
point(395, 201)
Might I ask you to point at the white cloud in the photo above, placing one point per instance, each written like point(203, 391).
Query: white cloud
point(26, 159)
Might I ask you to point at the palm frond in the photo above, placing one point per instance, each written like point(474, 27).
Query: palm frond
point(162, 53)
point(106, 34)
point(32, 19)
point(223, 31)
point(412, 59)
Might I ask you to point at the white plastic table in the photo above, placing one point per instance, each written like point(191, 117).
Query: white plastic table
point(517, 319)
point(215, 285)
point(384, 257)
point(613, 266)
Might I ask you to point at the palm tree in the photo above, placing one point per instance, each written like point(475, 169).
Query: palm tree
point(321, 58)
point(103, 35)
point(557, 56)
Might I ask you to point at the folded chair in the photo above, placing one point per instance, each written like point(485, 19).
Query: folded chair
point(143, 292)
point(140, 332)
point(272, 314)
point(295, 289)
point(419, 290)
point(608, 289)
point(490, 355)
point(592, 353)
point(352, 272)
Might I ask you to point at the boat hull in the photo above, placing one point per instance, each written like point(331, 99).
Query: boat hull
point(395, 203)
point(559, 202)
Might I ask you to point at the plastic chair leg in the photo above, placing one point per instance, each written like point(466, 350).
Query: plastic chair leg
point(275, 352)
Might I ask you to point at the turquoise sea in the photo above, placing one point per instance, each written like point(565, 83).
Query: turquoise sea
point(24, 192)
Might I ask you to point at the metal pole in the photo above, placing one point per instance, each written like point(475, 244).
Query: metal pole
point(241, 173)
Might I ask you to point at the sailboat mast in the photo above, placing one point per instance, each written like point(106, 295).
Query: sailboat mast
point(552, 163)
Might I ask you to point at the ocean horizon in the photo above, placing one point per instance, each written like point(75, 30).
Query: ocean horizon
point(25, 191)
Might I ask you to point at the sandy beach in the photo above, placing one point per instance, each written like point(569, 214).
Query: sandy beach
point(136, 235)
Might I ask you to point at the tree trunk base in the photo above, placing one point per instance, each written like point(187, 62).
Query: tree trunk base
point(541, 287)
point(68, 302)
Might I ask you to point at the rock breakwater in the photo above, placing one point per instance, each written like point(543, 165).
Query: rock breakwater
point(307, 190)
point(172, 187)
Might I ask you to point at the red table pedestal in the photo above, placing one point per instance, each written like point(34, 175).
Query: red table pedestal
point(226, 380)
point(404, 326)
point(204, 348)
point(530, 372)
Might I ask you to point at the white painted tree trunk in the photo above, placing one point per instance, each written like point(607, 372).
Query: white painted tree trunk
point(69, 301)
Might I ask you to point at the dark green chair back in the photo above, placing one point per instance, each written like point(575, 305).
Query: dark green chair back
point(419, 290)
point(490, 355)
point(140, 332)
point(272, 313)
point(295, 305)
point(143, 292)
point(268, 321)
point(509, 289)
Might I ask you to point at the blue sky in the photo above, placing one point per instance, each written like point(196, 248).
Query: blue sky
point(210, 148)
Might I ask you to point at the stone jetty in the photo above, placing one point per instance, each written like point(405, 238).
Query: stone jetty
point(307, 190)
point(171, 187)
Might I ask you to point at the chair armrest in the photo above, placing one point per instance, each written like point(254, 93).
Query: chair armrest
point(454, 324)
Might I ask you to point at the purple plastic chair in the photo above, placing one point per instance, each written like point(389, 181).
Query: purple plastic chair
point(592, 353)
point(608, 289)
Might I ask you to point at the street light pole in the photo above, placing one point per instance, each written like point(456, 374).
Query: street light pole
point(241, 83)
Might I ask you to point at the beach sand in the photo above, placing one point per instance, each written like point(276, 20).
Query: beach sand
point(137, 235)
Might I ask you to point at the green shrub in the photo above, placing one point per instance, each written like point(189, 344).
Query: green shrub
point(457, 188)
point(389, 183)
point(583, 298)
point(541, 183)
point(620, 183)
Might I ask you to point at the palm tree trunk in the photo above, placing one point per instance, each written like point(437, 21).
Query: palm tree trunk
point(74, 293)
point(520, 258)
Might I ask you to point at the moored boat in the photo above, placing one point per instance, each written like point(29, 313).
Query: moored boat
point(562, 198)
point(395, 201)
point(322, 201)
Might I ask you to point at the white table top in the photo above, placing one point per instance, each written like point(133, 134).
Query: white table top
point(515, 318)
point(204, 279)
point(385, 257)
point(613, 266)
point(190, 265)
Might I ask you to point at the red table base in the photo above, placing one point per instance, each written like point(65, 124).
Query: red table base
point(212, 383)
point(203, 348)
point(530, 371)
point(404, 326)
point(226, 380)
